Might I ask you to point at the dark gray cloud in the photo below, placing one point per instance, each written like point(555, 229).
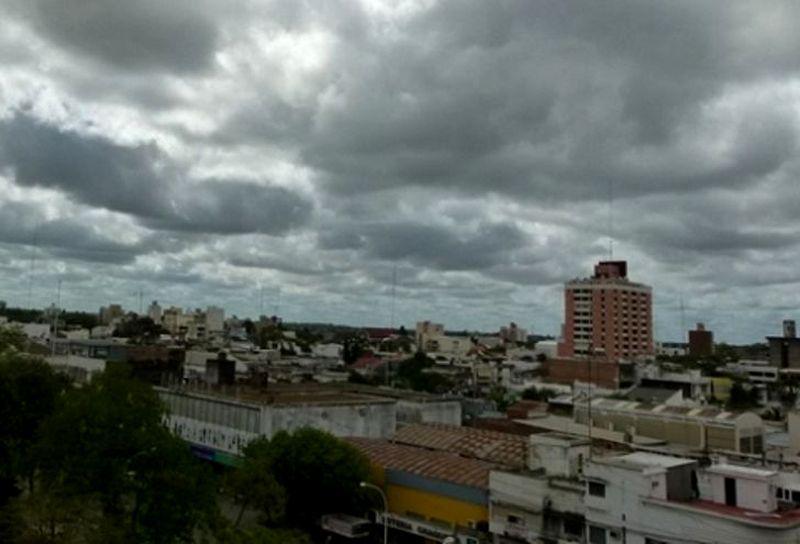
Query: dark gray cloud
point(144, 35)
point(143, 182)
point(24, 224)
point(538, 100)
point(458, 153)
point(436, 246)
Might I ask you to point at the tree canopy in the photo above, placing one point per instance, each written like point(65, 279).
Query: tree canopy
point(318, 472)
point(107, 441)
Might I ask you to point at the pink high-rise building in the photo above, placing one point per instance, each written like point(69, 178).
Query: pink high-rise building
point(607, 316)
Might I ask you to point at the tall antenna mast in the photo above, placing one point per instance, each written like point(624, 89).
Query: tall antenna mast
point(277, 300)
point(394, 291)
point(610, 219)
point(683, 320)
point(34, 250)
point(56, 312)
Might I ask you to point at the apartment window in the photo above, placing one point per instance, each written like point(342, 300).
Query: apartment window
point(779, 493)
point(513, 519)
point(573, 527)
point(597, 535)
point(796, 497)
point(596, 489)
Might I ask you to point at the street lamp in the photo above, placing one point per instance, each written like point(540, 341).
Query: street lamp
point(366, 485)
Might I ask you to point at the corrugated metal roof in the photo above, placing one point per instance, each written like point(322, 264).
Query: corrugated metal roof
point(440, 465)
point(497, 447)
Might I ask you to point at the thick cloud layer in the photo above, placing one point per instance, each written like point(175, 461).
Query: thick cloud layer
point(461, 154)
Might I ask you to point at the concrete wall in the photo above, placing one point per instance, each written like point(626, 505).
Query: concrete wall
point(567, 371)
point(228, 425)
point(794, 432)
point(372, 420)
point(750, 493)
point(530, 491)
point(444, 411)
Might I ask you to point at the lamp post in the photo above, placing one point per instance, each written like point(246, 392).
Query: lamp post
point(366, 485)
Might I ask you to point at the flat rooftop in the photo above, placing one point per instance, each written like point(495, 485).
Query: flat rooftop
point(643, 460)
point(780, 519)
point(737, 471)
point(282, 395)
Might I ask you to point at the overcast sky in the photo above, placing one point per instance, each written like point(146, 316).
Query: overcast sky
point(210, 152)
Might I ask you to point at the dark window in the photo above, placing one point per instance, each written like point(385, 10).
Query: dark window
point(573, 527)
point(796, 496)
point(778, 492)
point(596, 489)
point(597, 535)
point(513, 519)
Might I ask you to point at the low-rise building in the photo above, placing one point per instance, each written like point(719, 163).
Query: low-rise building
point(756, 372)
point(431, 494)
point(696, 428)
point(219, 421)
point(507, 449)
point(543, 502)
point(644, 498)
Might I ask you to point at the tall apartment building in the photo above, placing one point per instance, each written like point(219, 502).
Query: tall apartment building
point(154, 312)
point(701, 341)
point(607, 316)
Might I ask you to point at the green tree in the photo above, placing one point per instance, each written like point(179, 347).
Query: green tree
point(352, 348)
point(532, 393)
point(29, 390)
point(253, 485)
point(139, 330)
point(12, 339)
point(741, 398)
point(320, 473)
point(413, 373)
point(108, 441)
point(263, 535)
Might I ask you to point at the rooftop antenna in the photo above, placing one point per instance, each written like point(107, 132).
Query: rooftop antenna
point(34, 251)
point(610, 218)
point(683, 320)
point(277, 300)
point(56, 312)
point(394, 292)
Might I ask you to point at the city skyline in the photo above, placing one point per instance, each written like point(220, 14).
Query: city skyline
point(329, 155)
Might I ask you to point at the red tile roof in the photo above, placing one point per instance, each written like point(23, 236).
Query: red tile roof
point(506, 449)
point(440, 465)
